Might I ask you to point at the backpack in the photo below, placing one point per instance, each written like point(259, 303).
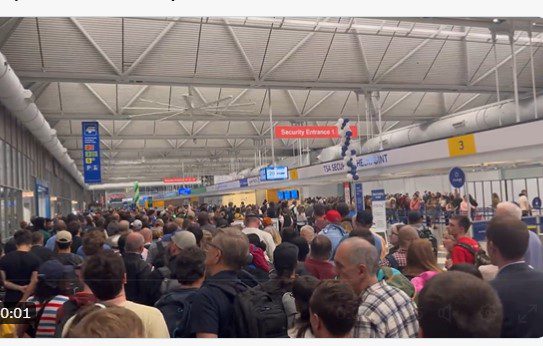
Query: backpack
point(393, 262)
point(426, 233)
point(481, 257)
point(256, 314)
point(399, 281)
point(175, 307)
point(167, 283)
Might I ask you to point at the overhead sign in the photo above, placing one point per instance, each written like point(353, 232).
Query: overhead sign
point(312, 132)
point(184, 191)
point(457, 177)
point(91, 152)
point(180, 180)
point(359, 197)
point(277, 173)
point(378, 210)
point(462, 145)
point(536, 203)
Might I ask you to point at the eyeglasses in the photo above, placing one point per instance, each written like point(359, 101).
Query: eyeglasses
point(210, 245)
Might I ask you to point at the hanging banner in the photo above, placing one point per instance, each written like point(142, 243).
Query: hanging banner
point(378, 210)
point(359, 197)
point(347, 192)
point(91, 152)
point(297, 132)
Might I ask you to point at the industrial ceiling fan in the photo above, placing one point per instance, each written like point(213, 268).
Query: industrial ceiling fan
point(212, 108)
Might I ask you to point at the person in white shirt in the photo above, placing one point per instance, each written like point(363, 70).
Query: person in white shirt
point(252, 222)
point(524, 204)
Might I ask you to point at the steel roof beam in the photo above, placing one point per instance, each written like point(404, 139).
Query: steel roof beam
point(225, 119)
point(71, 77)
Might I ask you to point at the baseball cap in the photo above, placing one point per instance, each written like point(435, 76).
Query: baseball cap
point(52, 271)
point(333, 216)
point(285, 256)
point(64, 237)
point(137, 224)
point(184, 239)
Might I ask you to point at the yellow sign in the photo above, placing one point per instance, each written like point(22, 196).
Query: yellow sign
point(462, 145)
point(293, 174)
point(158, 204)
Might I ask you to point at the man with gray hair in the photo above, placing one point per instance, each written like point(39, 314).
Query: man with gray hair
point(385, 311)
point(137, 270)
point(534, 252)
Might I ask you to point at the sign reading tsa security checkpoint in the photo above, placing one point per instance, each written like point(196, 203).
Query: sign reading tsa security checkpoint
point(91, 152)
point(297, 132)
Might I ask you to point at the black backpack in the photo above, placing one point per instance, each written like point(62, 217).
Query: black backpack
point(426, 233)
point(481, 257)
point(175, 307)
point(256, 314)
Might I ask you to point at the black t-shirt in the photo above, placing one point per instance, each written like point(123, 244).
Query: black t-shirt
point(18, 266)
point(43, 253)
point(212, 307)
point(77, 241)
point(69, 259)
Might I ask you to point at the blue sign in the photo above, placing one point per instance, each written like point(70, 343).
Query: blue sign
point(457, 177)
point(479, 230)
point(378, 195)
point(91, 152)
point(294, 194)
point(359, 196)
point(263, 174)
point(184, 191)
point(243, 183)
point(277, 173)
point(536, 203)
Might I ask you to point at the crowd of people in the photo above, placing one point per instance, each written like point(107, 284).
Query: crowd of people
point(300, 270)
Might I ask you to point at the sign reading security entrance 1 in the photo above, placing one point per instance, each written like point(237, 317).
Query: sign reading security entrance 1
point(310, 132)
point(91, 152)
point(457, 177)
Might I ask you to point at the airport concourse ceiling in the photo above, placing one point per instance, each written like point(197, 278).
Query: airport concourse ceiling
point(192, 95)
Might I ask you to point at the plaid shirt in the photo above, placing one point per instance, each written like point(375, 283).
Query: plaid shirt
point(386, 312)
point(400, 256)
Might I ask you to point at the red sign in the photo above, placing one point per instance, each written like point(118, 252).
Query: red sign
point(310, 132)
point(179, 180)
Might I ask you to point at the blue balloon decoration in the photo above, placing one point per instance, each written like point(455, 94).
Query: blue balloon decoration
point(349, 133)
point(353, 152)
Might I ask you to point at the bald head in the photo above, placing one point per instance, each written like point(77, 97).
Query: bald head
point(124, 226)
point(147, 234)
point(508, 209)
point(308, 233)
point(134, 242)
point(407, 234)
point(360, 251)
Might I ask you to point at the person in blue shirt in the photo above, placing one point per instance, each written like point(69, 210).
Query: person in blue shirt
point(333, 230)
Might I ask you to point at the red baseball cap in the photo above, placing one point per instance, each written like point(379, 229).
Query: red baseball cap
point(333, 216)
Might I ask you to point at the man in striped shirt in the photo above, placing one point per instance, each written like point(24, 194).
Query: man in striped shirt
point(49, 297)
point(385, 311)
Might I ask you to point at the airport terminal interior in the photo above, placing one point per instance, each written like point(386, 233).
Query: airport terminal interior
point(263, 177)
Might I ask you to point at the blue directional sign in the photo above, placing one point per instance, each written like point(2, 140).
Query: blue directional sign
point(91, 152)
point(359, 196)
point(457, 177)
